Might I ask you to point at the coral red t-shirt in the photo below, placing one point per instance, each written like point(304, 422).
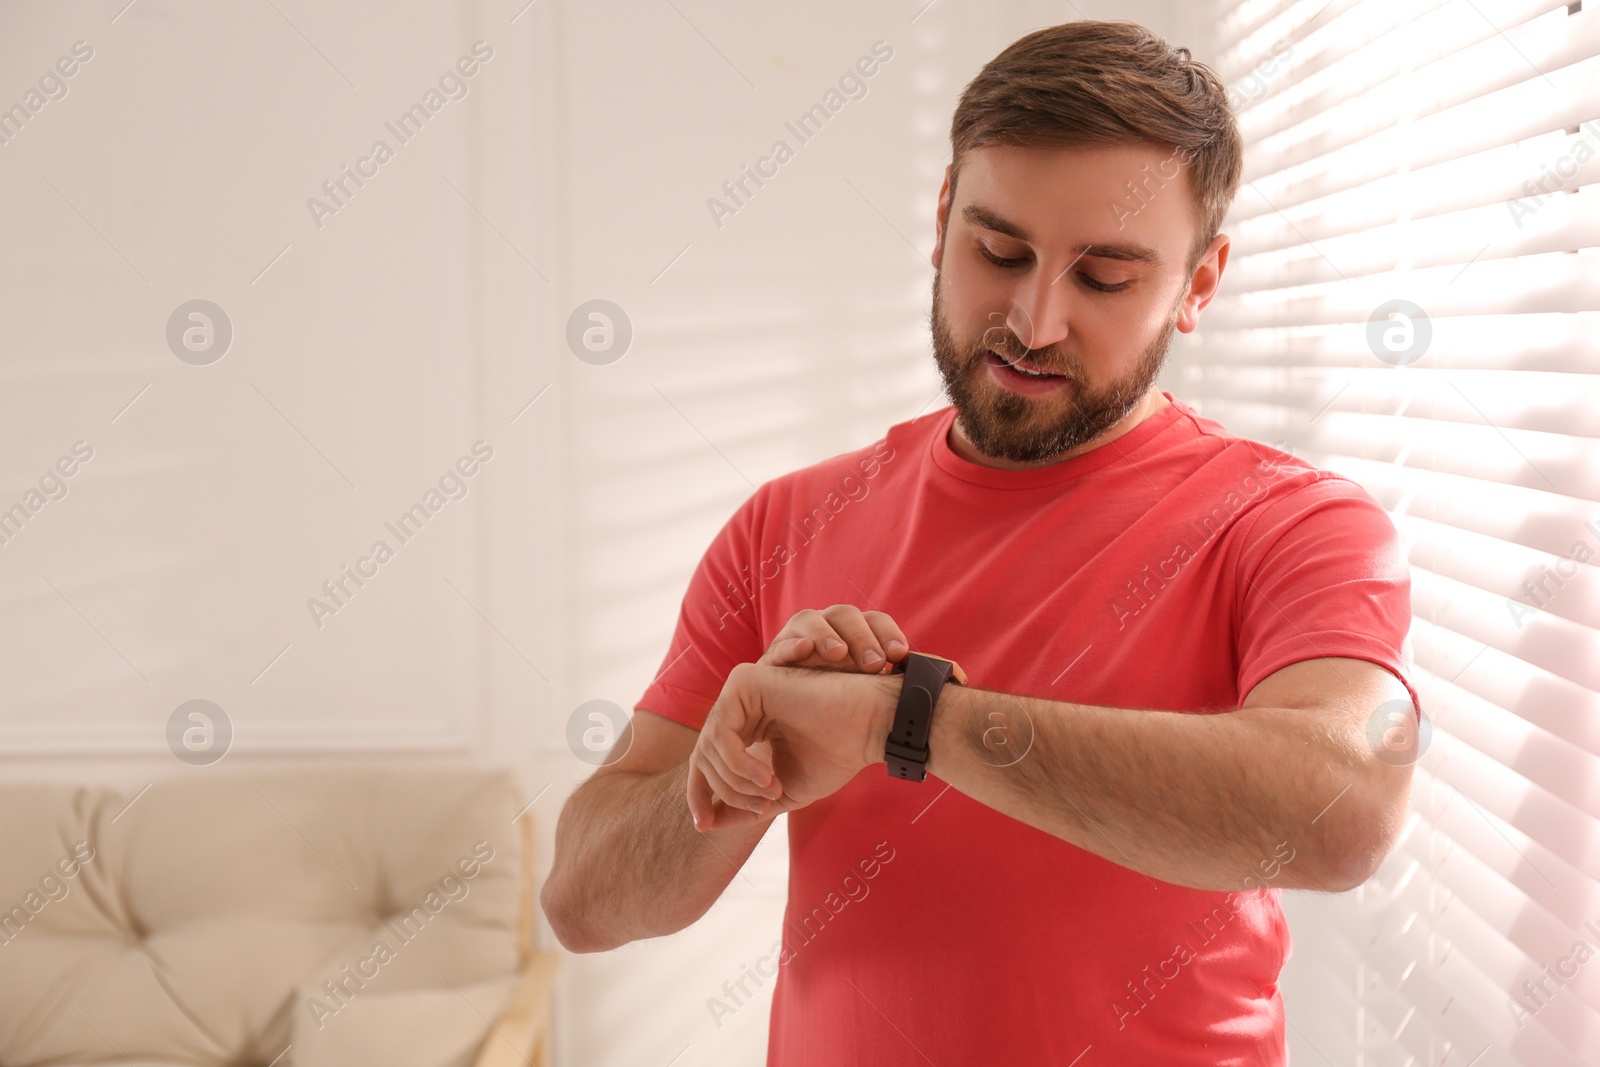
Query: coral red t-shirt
point(1173, 568)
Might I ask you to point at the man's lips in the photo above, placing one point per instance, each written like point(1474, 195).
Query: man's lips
point(996, 356)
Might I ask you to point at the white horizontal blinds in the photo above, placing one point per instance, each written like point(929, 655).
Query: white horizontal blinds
point(1445, 154)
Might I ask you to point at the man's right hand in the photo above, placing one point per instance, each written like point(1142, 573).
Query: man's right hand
point(839, 638)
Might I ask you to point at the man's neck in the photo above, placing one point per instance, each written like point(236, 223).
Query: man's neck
point(1152, 402)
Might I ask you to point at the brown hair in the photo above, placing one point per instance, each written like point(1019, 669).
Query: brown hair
point(1107, 83)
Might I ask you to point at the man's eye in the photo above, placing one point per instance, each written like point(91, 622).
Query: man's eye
point(1087, 279)
point(1100, 286)
point(1000, 261)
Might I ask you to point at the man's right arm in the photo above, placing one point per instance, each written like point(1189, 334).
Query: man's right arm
point(629, 863)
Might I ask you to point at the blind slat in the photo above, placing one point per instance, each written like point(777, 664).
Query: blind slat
point(1546, 403)
point(1557, 706)
point(1275, 254)
point(1563, 648)
point(1558, 342)
point(1527, 458)
point(1561, 282)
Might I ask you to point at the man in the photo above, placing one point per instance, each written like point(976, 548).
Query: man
point(1176, 642)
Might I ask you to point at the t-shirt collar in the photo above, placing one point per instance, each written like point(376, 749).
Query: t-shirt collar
point(946, 459)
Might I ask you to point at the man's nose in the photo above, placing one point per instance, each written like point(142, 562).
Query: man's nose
point(1039, 306)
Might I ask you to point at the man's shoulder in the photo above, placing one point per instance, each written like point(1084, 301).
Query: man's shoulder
point(1275, 485)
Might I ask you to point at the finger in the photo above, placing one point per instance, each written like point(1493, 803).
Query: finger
point(852, 626)
point(700, 798)
point(725, 792)
point(890, 636)
point(746, 788)
point(709, 813)
point(725, 818)
point(715, 770)
point(814, 624)
point(746, 764)
point(786, 651)
point(762, 750)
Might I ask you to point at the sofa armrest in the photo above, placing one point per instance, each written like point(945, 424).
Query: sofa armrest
point(521, 1036)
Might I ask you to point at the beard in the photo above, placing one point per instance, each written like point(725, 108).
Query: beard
point(1023, 429)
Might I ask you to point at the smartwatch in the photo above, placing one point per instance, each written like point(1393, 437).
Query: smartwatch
point(906, 752)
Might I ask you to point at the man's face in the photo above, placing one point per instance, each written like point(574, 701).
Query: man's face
point(1091, 285)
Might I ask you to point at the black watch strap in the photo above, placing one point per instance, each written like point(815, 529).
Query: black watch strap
point(906, 751)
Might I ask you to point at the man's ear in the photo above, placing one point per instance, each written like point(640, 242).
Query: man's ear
point(941, 216)
point(1203, 286)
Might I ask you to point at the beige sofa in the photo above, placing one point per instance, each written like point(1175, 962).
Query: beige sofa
point(325, 916)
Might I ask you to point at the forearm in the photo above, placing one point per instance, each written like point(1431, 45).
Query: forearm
point(1202, 800)
point(629, 863)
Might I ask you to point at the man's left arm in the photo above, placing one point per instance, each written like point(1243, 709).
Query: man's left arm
point(1202, 800)
point(1207, 800)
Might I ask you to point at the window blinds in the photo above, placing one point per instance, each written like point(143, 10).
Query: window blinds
point(1413, 300)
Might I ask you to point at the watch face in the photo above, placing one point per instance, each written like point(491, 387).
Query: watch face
point(957, 675)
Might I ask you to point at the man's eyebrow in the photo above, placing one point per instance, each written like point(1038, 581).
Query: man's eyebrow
point(1133, 253)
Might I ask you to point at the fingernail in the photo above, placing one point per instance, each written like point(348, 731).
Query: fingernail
point(830, 644)
point(896, 646)
point(755, 806)
point(871, 658)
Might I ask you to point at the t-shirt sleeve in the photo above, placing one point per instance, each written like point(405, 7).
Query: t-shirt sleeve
point(1323, 574)
point(717, 628)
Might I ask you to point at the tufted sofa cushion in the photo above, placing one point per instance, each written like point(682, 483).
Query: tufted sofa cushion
point(203, 919)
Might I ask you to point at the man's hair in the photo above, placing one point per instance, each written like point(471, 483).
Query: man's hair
point(1083, 84)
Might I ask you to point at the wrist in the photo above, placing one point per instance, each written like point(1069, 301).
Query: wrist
point(945, 734)
point(884, 697)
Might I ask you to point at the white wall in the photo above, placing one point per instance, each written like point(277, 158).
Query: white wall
point(368, 354)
